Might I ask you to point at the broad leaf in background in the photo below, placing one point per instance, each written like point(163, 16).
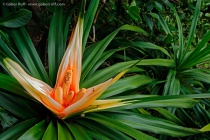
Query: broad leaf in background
point(16, 19)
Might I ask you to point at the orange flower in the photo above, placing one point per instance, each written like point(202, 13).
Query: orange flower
point(65, 98)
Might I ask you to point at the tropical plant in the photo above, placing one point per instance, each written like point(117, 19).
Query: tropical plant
point(187, 52)
point(32, 109)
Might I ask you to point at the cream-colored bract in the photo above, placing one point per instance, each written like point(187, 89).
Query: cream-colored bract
point(65, 98)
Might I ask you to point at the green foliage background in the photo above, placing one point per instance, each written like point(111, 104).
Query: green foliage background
point(168, 89)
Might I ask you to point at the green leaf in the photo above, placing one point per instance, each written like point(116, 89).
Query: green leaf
point(196, 96)
point(102, 75)
point(5, 49)
point(16, 19)
point(51, 132)
point(102, 58)
point(185, 117)
point(148, 45)
point(152, 101)
point(17, 130)
point(73, 130)
point(148, 21)
point(133, 12)
point(169, 83)
point(149, 5)
point(205, 128)
point(56, 44)
point(29, 53)
point(169, 40)
point(6, 119)
point(16, 106)
point(88, 20)
point(158, 6)
point(155, 102)
point(133, 3)
point(134, 9)
point(82, 131)
point(161, 21)
point(122, 85)
point(181, 36)
point(143, 111)
point(78, 132)
point(150, 123)
point(36, 132)
point(174, 89)
point(7, 82)
point(92, 57)
point(193, 26)
point(169, 116)
point(67, 17)
point(197, 74)
point(63, 132)
point(198, 54)
point(6, 41)
point(201, 114)
point(120, 126)
point(103, 129)
point(96, 135)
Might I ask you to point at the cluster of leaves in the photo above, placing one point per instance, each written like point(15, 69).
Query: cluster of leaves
point(160, 87)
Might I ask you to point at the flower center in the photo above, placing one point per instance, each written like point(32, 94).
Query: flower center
point(64, 95)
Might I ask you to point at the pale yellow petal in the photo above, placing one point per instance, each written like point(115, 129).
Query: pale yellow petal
point(36, 88)
point(18, 72)
point(119, 76)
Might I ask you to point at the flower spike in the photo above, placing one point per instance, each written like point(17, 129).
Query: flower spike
point(66, 98)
